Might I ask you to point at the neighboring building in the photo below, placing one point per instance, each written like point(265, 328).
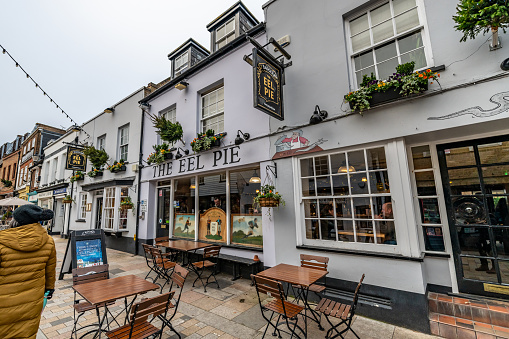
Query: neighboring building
point(411, 193)
point(10, 156)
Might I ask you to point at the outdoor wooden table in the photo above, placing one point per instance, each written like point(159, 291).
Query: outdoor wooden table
point(108, 290)
point(184, 246)
point(296, 275)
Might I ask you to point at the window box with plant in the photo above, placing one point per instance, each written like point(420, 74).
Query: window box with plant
point(118, 166)
point(67, 199)
point(268, 197)
point(98, 158)
point(126, 203)
point(161, 154)
point(79, 175)
point(207, 140)
point(6, 183)
point(404, 83)
point(95, 173)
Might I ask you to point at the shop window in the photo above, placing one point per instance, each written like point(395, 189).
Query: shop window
point(109, 207)
point(82, 212)
point(122, 215)
point(212, 205)
point(184, 223)
point(212, 110)
point(427, 199)
point(346, 197)
point(386, 36)
point(245, 221)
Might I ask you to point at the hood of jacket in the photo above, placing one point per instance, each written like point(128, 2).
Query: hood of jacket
point(26, 238)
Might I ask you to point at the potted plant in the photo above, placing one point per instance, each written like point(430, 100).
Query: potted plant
point(79, 175)
point(95, 172)
point(98, 158)
point(207, 140)
point(474, 17)
point(7, 183)
point(161, 153)
point(268, 197)
point(167, 130)
point(67, 199)
point(126, 203)
point(118, 166)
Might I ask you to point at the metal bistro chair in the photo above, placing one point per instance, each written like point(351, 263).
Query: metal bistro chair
point(317, 263)
point(80, 306)
point(172, 255)
point(343, 312)
point(178, 277)
point(280, 306)
point(210, 258)
point(150, 260)
point(139, 325)
point(163, 266)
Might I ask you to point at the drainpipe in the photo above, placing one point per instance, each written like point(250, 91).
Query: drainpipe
point(70, 207)
point(140, 161)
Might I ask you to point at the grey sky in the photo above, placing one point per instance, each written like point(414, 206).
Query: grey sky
point(90, 54)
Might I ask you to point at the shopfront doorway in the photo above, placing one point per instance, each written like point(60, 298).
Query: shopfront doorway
point(99, 213)
point(475, 176)
point(163, 211)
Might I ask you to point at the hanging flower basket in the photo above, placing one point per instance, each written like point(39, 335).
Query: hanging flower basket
point(126, 203)
point(268, 202)
point(117, 167)
point(268, 197)
point(67, 199)
point(126, 207)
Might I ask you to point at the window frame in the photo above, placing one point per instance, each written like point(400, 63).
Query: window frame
point(107, 208)
point(422, 28)
point(82, 210)
point(226, 35)
point(182, 67)
point(121, 145)
point(122, 214)
point(101, 142)
point(217, 114)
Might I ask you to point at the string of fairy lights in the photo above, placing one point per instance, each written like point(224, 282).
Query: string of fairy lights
point(4, 51)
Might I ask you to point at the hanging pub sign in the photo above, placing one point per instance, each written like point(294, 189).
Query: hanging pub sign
point(268, 84)
point(76, 159)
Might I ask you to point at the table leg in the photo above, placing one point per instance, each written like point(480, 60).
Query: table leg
point(305, 292)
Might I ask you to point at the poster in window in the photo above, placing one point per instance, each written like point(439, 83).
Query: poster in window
point(184, 226)
point(213, 225)
point(89, 253)
point(247, 230)
point(268, 86)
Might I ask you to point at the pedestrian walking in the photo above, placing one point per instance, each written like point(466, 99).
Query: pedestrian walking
point(27, 271)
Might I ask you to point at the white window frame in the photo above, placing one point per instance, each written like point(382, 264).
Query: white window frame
point(82, 211)
point(101, 142)
point(109, 206)
point(218, 113)
point(227, 37)
point(122, 214)
point(422, 28)
point(123, 142)
point(183, 65)
point(170, 114)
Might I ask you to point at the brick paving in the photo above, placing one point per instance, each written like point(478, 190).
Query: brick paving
point(229, 312)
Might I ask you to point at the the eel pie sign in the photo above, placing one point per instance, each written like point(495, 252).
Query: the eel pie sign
point(268, 87)
point(76, 159)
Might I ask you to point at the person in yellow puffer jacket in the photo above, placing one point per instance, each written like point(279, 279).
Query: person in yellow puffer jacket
point(27, 270)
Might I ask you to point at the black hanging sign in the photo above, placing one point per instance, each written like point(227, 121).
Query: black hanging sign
point(76, 159)
point(268, 85)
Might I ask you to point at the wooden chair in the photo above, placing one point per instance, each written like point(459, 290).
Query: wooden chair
point(161, 239)
point(280, 306)
point(139, 325)
point(80, 306)
point(210, 258)
point(163, 266)
point(149, 259)
point(178, 277)
point(343, 312)
point(172, 255)
point(317, 263)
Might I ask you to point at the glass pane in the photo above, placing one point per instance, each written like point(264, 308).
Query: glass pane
point(364, 231)
point(363, 60)
point(416, 56)
point(385, 232)
point(359, 184)
point(421, 156)
point(469, 210)
point(323, 185)
point(474, 241)
point(306, 167)
point(356, 161)
point(312, 230)
point(503, 266)
point(362, 208)
point(464, 181)
point(310, 208)
point(425, 182)
point(478, 269)
point(494, 153)
point(406, 21)
point(382, 207)
point(497, 206)
point(184, 224)
point(212, 198)
point(322, 165)
point(380, 14)
point(376, 158)
point(433, 239)
point(361, 41)
point(429, 211)
point(385, 52)
point(163, 210)
point(308, 187)
point(220, 33)
point(343, 208)
point(230, 26)
point(328, 229)
point(501, 236)
point(326, 208)
point(340, 184)
point(379, 182)
point(399, 6)
point(358, 25)
point(387, 68)
point(496, 179)
point(366, 71)
point(410, 42)
point(382, 31)
point(461, 156)
point(220, 94)
point(345, 230)
point(221, 44)
point(338, 163)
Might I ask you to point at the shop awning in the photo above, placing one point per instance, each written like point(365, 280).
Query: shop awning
point(14, 202)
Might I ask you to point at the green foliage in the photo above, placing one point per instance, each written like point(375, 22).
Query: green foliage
point(168, 131)
point(158, 156)
point(476, 16)
point(79, 175)
point(269, 191)
point(367, 80)
point(126, 202)
point(94, 172)
point(405, 69)
point(204, 141)
point(117, 166)
point(209, 133)
point(98, 158)
point(7, 183)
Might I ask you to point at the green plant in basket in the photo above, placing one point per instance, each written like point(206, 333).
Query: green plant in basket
point(79, 175)
point(268, 193)
point(98, 158)
point(158, 156)
point(94, 172)
point(117, 166)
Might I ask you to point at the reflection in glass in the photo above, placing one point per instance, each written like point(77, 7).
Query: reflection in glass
point(433, 238)
point(306, 167)
point(475, 241)
point(312, 230)
point(497, 206)
point(338, 160)
point(322, 165)
point(323, 185)
point(184, 223)
point(364, 231)
point(326, 208)
point(429, 211)
point(362, 208)
point(460, 156)
point(385, 232)
point(359, 184)
point(425, 182)
point(464, 181)
point(382, 32)
point(469, 210)
point(308, 187)
point(496, 179)
point(343, 208)
point(163, 211)
point(310, 208)
point(379, 182)
point(212, 206)
point(504, 270)
point(382, 208)
point(471, 266)
point(356, 160)
point(340, 184)
point(376, 158)
point(328, 229)
point(345, 230)
point(501, 236)
point(493, 153)
point(406, 20)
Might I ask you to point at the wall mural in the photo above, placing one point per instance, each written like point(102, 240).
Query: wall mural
point(295, 145)
point(499, 99)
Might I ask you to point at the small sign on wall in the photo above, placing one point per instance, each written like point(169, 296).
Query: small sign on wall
point(88, 207)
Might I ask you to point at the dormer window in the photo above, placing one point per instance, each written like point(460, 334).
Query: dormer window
point(181, 63)
point(225, 33)
point(186, 56)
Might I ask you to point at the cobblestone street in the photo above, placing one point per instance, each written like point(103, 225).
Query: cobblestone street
point(229, 312)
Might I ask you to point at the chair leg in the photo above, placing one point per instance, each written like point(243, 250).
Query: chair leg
point(213, 274)
point(267, 327)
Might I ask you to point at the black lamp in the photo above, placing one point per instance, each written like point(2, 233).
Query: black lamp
point(109, 110)
point(239, 140)
point(505, 65)
point(318, 116)
point(179, 155)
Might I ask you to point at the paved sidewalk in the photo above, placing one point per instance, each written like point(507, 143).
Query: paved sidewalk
point(229, 312)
